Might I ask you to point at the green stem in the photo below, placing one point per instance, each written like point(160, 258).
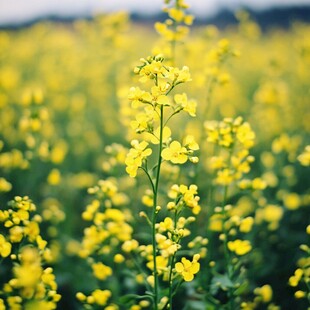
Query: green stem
point(173, 51)
point(225, 232)
point(170, 281)
point(174, 113)
point(154, 216)
point(173, 294)
point(149, 177)
point(209, 93)
point(137, 264)
point(208, 98)
point(226, 250)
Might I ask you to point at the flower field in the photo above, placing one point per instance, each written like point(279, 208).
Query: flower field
point(154, 167)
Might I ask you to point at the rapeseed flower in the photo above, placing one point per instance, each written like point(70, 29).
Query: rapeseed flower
point(5, 247)
point(136, 155)
point(175, 152)
point(187, 269)
point(240, 247)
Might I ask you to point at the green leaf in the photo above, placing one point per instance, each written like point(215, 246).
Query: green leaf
point(130, 297)
point(127, 298)
point(242, 288)
point(220, 282)
point(195, 305)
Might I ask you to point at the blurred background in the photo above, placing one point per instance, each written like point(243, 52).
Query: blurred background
point(20, 12)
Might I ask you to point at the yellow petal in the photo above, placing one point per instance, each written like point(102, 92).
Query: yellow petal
point(188, 276)
point(179, 267)
point(195, 267)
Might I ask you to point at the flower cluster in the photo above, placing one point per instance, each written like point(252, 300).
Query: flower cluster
point(24, 253)
point(184, 196)
point(136, 155)
point(301, 277)
point(151, 116)
point(107, 234)
point(175, 28)
point(235, 137)
point(178, 153)
point(116, 156)
point(109, 224)
point(304, 157)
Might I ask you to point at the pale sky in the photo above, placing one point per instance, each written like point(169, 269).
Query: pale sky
point(23, 10)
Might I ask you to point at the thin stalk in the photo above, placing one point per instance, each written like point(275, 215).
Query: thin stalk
point(170, 281)
point(149, 177)
point(154, 215)
point(226, 250)
point(173, 51)
point(137, 264)
point(170, 272)
point(209, 92)
point(225, 232)
point(173, 294)
point(208, 98)
point(172, 114)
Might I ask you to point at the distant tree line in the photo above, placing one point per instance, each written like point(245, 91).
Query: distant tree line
point(273, 17)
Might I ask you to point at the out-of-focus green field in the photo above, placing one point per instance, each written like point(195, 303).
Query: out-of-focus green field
point(65, 125)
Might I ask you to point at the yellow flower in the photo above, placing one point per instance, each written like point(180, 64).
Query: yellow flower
point(137, 96)
point(176, 153)
point(159, 97)
point(141, 123)
point(190, 143)
point(130, 245)
point(245, 135)
point(188, 268)
point(119, 258)
point(5, 247)
point(246, 224)
point(294, 280)
point(181, 76)
point(272, 213)
point(176, 14)
point(41, 243)
point(188, 106)
point(300, 294)
point(101, 271)
point(136, 155)
point(292, 201)
point(80, 296)
point(29, 272)
point(151, 68)
point(166, 246)
point(161, 264)
point(167, 224)
point(101, 296)
point(216, 222)
point(163, 30)
point(16, 234)
point(258, 184)
point(5, 186)
point(54, 177)
point(304, 157)
point(265, 292)
point(155, 137)
point(186, 196)
point(224, 177)
point(240, 247)
point(59, 151)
